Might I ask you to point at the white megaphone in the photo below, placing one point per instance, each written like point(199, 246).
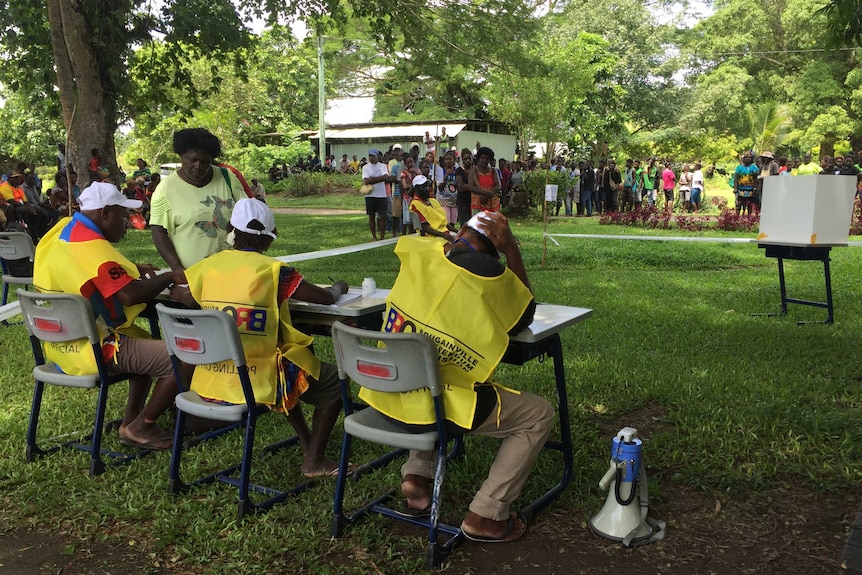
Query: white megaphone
point(624, 515)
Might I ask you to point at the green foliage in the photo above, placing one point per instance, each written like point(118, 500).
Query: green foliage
point(319, 183)
point(257, 160)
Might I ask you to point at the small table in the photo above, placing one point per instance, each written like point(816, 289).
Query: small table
point(803, 252)
point(365, 312)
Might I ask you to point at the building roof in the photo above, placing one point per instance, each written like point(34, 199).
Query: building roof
point(411, 131)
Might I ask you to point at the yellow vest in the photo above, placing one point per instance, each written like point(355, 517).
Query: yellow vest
point(433, 213)
point(245, 285)
point(468, 317)
point(61, 266)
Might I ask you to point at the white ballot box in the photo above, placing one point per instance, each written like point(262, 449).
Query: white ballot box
point(806, 210)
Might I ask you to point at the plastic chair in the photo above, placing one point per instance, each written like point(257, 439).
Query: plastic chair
point(201, 337)
point(60, 318)
point(16, 246)
point(406, 361)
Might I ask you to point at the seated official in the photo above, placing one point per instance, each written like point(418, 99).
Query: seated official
point(255, 288)
point(471, 328)
point(428, 215)
point(76, 256)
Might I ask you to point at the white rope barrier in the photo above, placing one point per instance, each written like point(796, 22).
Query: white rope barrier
point(668, 239)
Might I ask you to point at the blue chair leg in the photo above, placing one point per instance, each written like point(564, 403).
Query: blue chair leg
point(245, 505)
point(97, 466)
point(338, 519)
point(175, 483)
point(33, 449)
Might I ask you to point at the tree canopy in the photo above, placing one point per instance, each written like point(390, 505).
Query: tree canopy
point(602, 76)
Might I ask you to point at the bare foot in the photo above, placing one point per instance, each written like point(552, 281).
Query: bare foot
point(417, 490)
point(478, 528)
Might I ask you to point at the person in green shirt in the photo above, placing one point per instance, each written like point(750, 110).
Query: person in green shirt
point(190, 209)
point(808, 168)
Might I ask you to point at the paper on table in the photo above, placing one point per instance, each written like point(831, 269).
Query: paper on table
point(348, 297)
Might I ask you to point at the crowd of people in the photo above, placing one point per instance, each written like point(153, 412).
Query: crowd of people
point(458, 186)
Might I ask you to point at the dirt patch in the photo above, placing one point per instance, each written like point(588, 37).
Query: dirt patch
point(25, 552)
point(780, 531)
point(791, 533)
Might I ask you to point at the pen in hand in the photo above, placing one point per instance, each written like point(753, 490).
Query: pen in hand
point(332, 279)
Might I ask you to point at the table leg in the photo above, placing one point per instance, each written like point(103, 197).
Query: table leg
point(564, 445)
point(782, 285)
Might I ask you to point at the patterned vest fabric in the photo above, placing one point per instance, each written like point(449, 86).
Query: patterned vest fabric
point(468, 317)
point(67, 259)
point(245, 285)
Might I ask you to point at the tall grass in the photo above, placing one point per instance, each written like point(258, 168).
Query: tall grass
point(725, 400)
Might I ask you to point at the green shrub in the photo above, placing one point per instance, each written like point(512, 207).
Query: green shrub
point(317, 184)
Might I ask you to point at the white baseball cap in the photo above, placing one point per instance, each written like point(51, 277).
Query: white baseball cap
point(102, 194)
point(419, 180)
point(474, 222)
point(248, 210)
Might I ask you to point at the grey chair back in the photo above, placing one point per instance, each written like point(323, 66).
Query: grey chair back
point(404, 361)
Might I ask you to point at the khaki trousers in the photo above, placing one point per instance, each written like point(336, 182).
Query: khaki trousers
point(525, 422)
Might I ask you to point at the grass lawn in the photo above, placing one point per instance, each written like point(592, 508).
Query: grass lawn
point(737, 403)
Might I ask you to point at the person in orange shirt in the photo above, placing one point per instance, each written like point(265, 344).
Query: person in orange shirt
point(14, 203)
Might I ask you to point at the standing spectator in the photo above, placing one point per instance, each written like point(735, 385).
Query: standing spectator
point(561, 168)
point(505, 182)
point(447, 191)
point(613, 183)
point(808, 167)
point(744, 182)
point(588, 185)
point(668, 183)
point(408, 172)
point(768, 167)
point(484, 183)
point(573, 189)
point(845, 167)
point(650, 178)
point(697, 186)
point(462, 178)
point(685, 189)
point(576, 176)
point(637, 185)
point(628, 186)
point(190, 208)
point(376, 174)
point(396, 166)
point(430, 146)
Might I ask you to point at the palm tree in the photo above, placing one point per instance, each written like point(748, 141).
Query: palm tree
point(770, 125)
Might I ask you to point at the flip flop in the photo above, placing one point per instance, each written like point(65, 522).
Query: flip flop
point(151, 445)
point(330, 473)
point(411, 513)
point(510, 527)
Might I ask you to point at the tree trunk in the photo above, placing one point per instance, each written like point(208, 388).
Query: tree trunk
point(88, 113)
point(827, 148)
point(856, 145)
